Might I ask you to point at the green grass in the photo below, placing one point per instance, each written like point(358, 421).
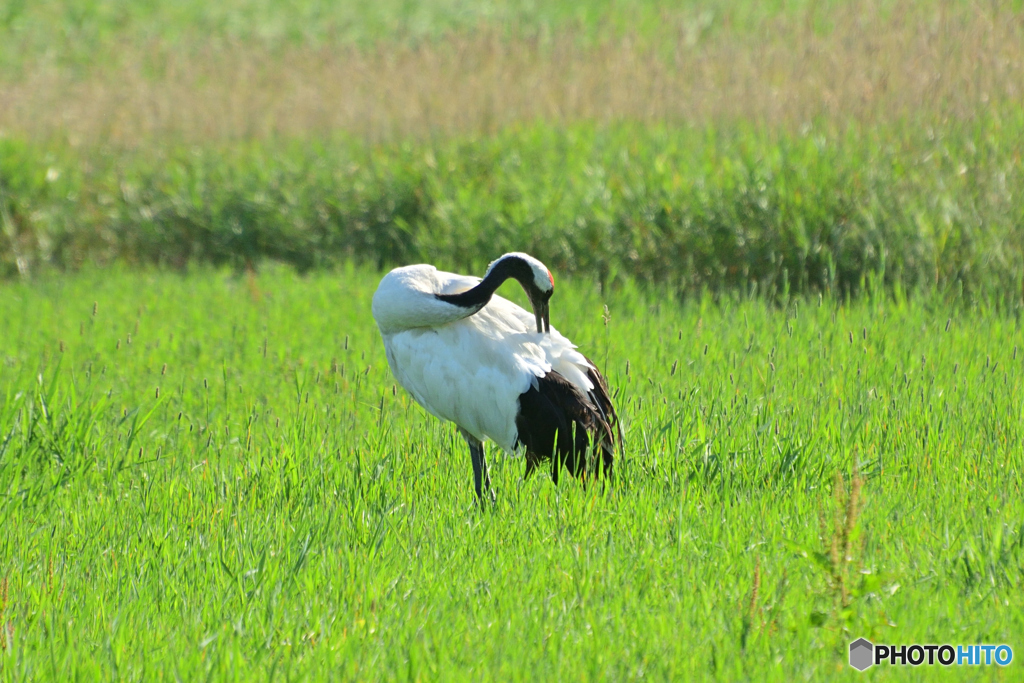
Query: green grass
point(210, 473)
point(214, 477)
point(87, 33)
point(798, 181)
point(818, 210)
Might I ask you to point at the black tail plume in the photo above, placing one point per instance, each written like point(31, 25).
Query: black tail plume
point(558, 422)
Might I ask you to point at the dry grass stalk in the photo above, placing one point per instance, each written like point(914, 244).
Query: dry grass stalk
point(937, 63)
point(6, 627)
point(754, 609)
point(847, 510)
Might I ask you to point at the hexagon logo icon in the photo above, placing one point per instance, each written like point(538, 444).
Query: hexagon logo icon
point(861, 654)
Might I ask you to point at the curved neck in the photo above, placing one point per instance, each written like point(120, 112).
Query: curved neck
point(474, 299)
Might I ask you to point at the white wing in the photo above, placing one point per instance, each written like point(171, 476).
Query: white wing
point(473, 370)
point(559, 353)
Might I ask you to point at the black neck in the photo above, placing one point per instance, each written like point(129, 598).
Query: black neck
point(476, 298)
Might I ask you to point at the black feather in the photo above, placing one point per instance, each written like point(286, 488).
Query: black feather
point(558, 422)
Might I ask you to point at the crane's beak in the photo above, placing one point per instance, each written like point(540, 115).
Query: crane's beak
point(541, 313)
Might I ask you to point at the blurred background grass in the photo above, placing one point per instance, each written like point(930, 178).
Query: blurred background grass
point(775, 146)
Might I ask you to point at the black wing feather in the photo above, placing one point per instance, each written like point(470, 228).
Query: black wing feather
point(557, 421)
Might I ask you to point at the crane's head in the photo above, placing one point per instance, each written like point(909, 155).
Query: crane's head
point(534, 277)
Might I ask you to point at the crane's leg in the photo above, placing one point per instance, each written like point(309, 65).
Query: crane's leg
point(480, 477)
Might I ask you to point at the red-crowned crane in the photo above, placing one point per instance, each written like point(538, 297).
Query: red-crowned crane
point(474, 359)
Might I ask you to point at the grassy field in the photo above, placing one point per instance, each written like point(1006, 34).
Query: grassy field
point(799, 146)
point(746, 209)
point(177, 76)
point(791, 233)
point(214, 476)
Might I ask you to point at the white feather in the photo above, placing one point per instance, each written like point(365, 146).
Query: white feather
point(468, 370)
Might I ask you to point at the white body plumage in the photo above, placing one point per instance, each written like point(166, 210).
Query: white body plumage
point(469, 369)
